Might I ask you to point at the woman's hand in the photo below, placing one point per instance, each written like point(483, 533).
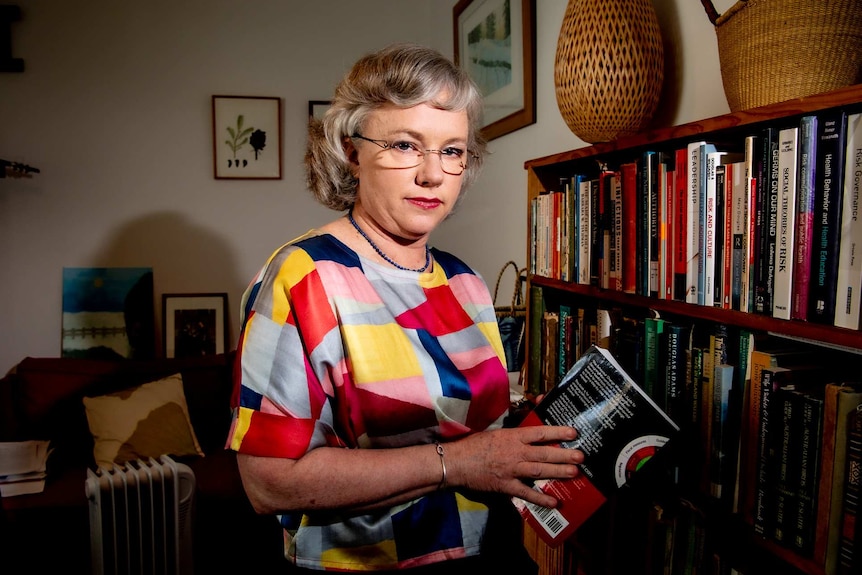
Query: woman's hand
point(500, 460)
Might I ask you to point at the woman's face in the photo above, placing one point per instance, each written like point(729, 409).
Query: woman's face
point(408, 202)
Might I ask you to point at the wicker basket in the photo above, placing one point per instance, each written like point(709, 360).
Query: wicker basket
point(776, 50)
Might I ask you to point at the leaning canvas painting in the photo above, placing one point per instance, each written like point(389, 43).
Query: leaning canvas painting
point(108, 312)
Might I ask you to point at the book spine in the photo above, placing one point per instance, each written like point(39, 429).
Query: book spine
point(537, 309)
point(785, 458)
point(665, 249)
point(848, 557)
point(739, 225)
point(849, 282)
point(770, 224)
point(628, 172)
point(719, 269)
point(746, 298)
point(703, 179)
point(675, 372)
point(584, 231)
point(680, 203)
point(563, 358)
point(653, 328)
point(804, 217)
point(693, 222)
point(606, 218)
point(827, 217)
point(617, 236)
point(764, 455)
point(784, 243)
point(811, 430)
point(649, 231)
point(722, 383)
point(707, 275)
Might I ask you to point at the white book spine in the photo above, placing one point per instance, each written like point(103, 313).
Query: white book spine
point(786, 238)
point(849, 282)
point(584, 233)
point(693, 222)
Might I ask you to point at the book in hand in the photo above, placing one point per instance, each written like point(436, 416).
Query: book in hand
point(619, 430)
point(22, 467)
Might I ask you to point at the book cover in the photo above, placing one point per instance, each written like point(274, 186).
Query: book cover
point(620, 429)
point(849, 279)
point(804, 217)
point(828, 203)
point(628, 173)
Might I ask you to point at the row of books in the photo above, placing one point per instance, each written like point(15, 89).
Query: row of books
point(768, 225)
point(775, 440)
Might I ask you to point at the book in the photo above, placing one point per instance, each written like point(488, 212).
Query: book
point(693, 208)
point(665, 237)
point(537, 310)
point(705, 215)
point(653, 328)
point(584, 230)
point(849, 559)
point(680, 210)
point(828, 203)
point(721, 267)
point(746, 272)
point(709, 195)
point(840, 400)
point(806, 480)
point(722, 431)
point(675, 367)
point(628, 176)
point(647, 251)
point(849, 277)
point(804, 217)
point(620, 430)
point(786, 231)
point(739, 230)
point(617, 233)
point(766, 219)
point(23, 466)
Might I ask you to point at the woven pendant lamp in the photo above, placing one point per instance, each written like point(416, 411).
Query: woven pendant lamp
point(609, 67)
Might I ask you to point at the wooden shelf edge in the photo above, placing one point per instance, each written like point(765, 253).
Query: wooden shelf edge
point(841, 97)
point(836, 337)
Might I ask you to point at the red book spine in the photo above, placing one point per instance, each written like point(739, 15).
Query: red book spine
point(630, 227)
point(727, 252)
point(680, 240)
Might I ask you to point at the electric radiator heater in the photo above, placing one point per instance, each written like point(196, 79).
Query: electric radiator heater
point(140, 518)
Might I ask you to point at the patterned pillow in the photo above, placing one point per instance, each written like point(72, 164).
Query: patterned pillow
point(145, 421)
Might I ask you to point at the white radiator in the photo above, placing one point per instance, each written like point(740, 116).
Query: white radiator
point(140, 518)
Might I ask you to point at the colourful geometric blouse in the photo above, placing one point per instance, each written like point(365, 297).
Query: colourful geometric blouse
point(337, 350)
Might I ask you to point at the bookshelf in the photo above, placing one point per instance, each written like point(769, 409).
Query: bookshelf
point(603, 546)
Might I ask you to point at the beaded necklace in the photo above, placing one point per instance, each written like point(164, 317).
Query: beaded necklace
point(384, 256)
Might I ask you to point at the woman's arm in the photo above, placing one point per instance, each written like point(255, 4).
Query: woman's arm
point(362, 479)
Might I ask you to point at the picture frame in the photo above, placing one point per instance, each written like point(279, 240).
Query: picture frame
point(246, 137)
point(501, 62)
point(317, 108)
point(194, 324)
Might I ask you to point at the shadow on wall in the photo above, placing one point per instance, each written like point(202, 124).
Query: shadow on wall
point(185, 258)
point(668, 18)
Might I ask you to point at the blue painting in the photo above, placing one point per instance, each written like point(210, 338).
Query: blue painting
point(108, 313)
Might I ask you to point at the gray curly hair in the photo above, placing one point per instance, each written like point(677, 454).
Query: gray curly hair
point(405, 75)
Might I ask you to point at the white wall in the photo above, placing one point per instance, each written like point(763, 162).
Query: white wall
point(114, 109)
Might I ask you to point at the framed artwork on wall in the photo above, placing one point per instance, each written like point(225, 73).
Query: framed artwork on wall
point(108, 313)
point(317, 108)
point(495, 42)
point(246, 137)
point(194, 324)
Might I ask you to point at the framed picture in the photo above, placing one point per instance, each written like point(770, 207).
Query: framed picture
point(317, 108)
point(194, 324)
point(495, 42)
point(246, 137)
point(108, 313)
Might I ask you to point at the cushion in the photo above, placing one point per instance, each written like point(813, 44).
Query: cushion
point(145, 421)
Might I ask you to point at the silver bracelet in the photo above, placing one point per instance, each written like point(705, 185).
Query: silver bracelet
point(442, 464)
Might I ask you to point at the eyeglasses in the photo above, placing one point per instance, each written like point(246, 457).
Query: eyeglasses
point(406, 154)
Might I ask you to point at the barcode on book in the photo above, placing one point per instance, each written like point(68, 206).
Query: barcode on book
point(551, 519)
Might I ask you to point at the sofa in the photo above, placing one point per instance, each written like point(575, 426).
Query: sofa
point(44, 398)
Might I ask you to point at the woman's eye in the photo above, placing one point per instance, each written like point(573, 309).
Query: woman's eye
point(453, 152)
point(406, 147)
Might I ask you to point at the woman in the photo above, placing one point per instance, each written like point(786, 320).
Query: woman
point(372, 385)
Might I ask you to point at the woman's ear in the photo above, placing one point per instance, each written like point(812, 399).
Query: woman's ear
point(352, 156)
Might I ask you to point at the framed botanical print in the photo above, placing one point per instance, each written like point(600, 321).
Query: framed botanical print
point(246, 137)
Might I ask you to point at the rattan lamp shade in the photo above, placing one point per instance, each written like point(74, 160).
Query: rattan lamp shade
point(609, 67)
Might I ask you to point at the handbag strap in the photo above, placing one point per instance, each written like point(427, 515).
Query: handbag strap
point(518, 294)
